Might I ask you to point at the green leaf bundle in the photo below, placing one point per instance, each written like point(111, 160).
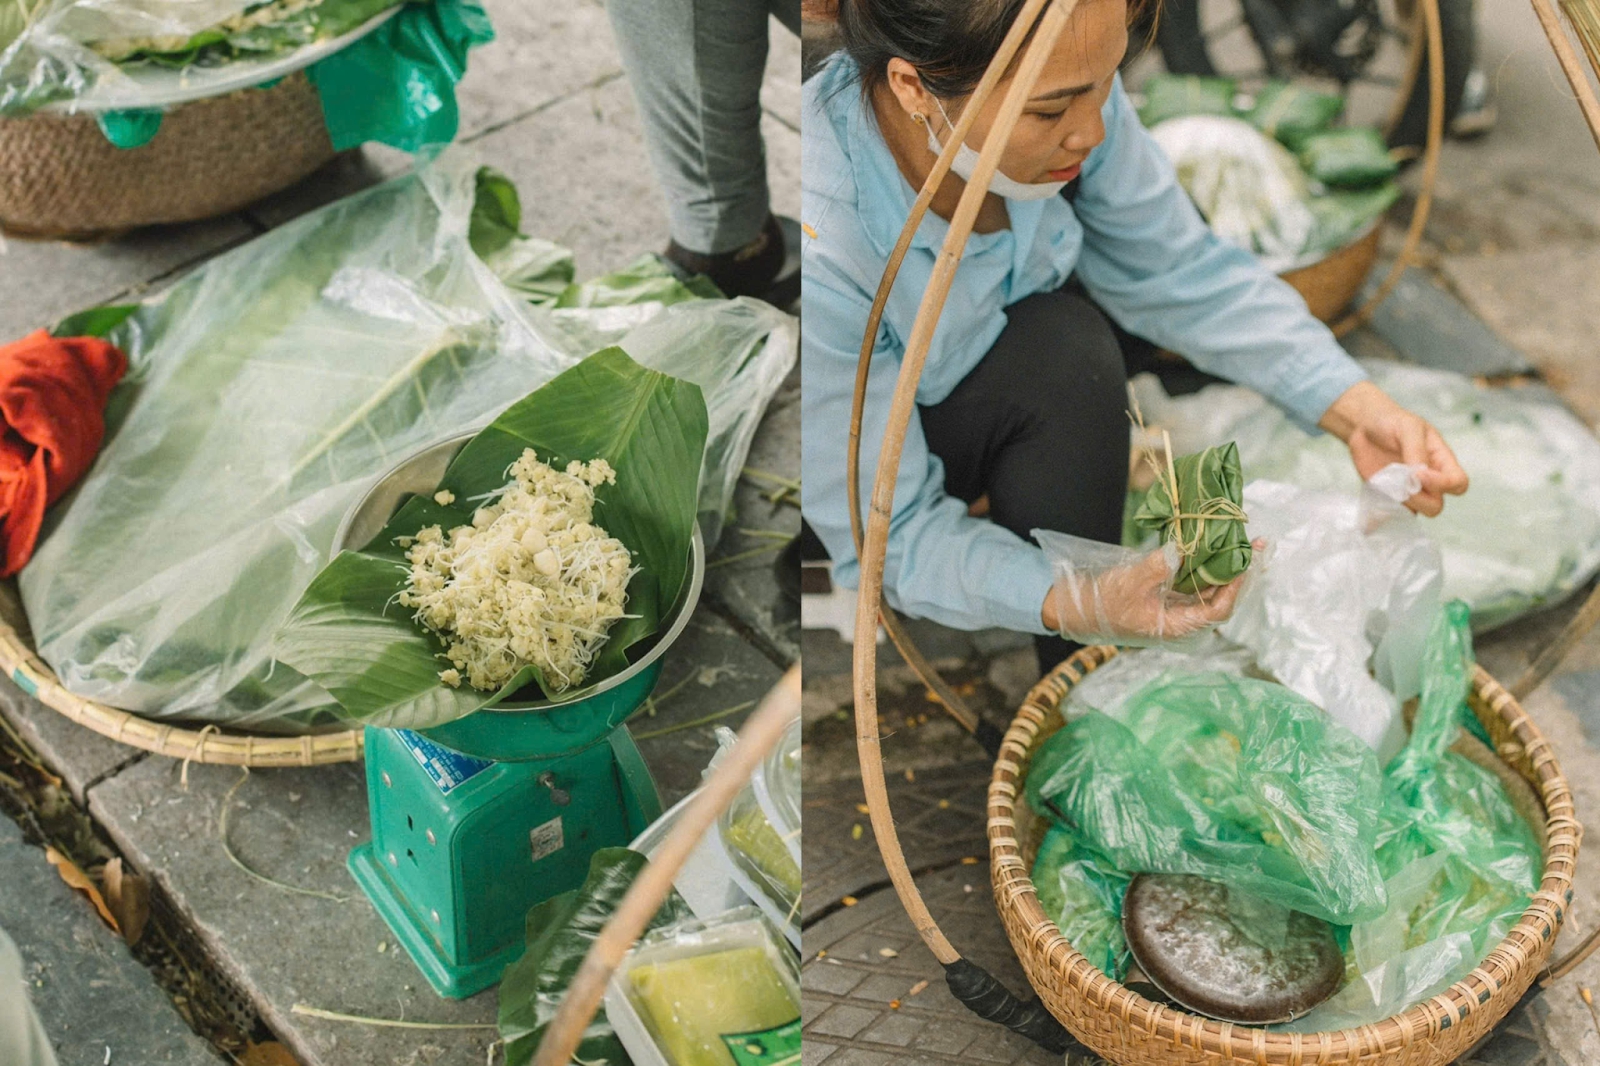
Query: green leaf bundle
point(349, 635)
point(1196, 503)
point(560, 932)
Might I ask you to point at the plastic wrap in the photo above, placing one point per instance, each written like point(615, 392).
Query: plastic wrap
point(1329, 599)
point(271, 386)
point(1248, 186)
point(22, 1039)
point(1108, 688)
point(1232, 779)
point(720, 992)
point(1108, 594)
point(1526, 535)
point(1082, 893)
point(72, 47)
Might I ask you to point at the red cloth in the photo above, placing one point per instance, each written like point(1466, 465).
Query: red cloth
point(53, 393)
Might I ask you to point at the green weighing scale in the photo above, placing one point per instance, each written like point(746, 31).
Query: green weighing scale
point(477, 820)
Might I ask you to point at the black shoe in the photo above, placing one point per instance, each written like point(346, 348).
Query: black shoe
point(766, 268)
point(1477, 113)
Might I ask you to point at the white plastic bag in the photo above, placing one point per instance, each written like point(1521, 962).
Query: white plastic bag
point(1328, 596)
point(1249, 187)
point(271, 387)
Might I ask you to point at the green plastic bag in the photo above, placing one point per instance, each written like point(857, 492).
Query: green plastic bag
point(1173, 95)
point(1348, 158)
point(1082, 893)
point(1206, 521)
point(1341, 215)
point(1291, 113)
point(397, 85)
point(1229, 778)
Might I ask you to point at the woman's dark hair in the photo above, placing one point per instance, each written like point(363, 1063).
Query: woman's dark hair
point(950, 42)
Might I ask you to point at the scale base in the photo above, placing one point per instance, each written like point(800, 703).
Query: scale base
point(461, 848)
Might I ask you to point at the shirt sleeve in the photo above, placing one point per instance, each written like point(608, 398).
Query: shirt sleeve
point(1151, 261)
point(941, 564)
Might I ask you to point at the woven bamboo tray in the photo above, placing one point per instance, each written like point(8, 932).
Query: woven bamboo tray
point(208, 744)
point(1331, 283)
point(1133, 1031)
point(61, 178)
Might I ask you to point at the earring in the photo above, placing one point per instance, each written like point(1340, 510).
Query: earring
point(919, 118)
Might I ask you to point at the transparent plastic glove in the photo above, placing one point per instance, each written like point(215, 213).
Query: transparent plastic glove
point(1108, 594)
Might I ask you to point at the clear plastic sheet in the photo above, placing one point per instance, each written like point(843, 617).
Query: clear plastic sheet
point(1330, 599)
point(1526, 535)
point(70, 47)
point(1247, 185)
point(272, 386)
point(22, 1039)
point(1231, 779)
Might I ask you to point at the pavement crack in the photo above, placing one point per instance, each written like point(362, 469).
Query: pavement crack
point(106, 775)
point(781, 120)
point(745, 630)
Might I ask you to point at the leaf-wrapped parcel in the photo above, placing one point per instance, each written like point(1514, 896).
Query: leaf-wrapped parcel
point(351, 635)
point(1205, 520)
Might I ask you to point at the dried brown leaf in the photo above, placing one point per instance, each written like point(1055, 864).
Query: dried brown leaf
point(271, 1053)
point(128, 896)
point(79, 880)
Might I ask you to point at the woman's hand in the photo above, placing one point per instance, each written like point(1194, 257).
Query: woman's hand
point(1379, 431)
point(1134, 603)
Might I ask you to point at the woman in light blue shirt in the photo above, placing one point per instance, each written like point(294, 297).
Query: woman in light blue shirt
point(1022, 419)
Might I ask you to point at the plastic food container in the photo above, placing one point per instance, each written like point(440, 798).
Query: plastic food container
point(776, 784)
point(706, 882)
point(721, 992)
point(758, 855)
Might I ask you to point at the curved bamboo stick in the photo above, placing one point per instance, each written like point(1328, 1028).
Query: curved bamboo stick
point(759, 736)
point(913, 656)
point(901, 408)
point(1434, 32)
point(1567, 56)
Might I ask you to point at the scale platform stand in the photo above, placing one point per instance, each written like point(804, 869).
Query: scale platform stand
point(476, 821)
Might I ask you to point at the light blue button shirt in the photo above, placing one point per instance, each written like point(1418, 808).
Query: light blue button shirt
point(1140, 248)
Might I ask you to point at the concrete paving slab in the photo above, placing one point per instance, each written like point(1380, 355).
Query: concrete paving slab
point(541, 53)
point(780, 93)
point(348, 173)
point(1427, 325)
point(42, 282)
point(331, 951)
point(96, 1002)
point(710, 671)
point(79, 756)
point(1543, 302)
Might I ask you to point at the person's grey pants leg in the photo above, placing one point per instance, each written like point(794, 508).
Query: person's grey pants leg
point(696, 69)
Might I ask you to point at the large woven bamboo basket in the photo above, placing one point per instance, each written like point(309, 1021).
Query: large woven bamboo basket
point(61, 178)
point(1133, 1031)
point(21, 666)
point(1332, 283)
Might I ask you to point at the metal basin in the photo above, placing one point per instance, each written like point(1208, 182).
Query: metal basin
point(540, 728)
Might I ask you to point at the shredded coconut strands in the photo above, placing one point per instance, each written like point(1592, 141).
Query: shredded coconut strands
point(531, 582)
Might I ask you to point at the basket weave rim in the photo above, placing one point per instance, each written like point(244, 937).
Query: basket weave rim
point(209, 744)
point(1525, 945)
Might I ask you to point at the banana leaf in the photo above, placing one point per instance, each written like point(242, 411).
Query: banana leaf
point(1350, 158)
point(1175, 95)
point(1205, 521)
point(560, 931)
point(347, 633)
point(1291, 112)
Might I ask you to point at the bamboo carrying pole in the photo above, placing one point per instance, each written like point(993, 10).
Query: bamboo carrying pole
point(758, 737)
point(1571, 65)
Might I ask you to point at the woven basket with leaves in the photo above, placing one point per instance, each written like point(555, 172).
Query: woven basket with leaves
point(1131, 1030)
point(61, 178)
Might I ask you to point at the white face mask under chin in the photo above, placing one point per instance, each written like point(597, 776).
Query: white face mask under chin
point(966, 162)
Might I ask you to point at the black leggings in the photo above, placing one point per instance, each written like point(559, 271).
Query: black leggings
point(1041, 427)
